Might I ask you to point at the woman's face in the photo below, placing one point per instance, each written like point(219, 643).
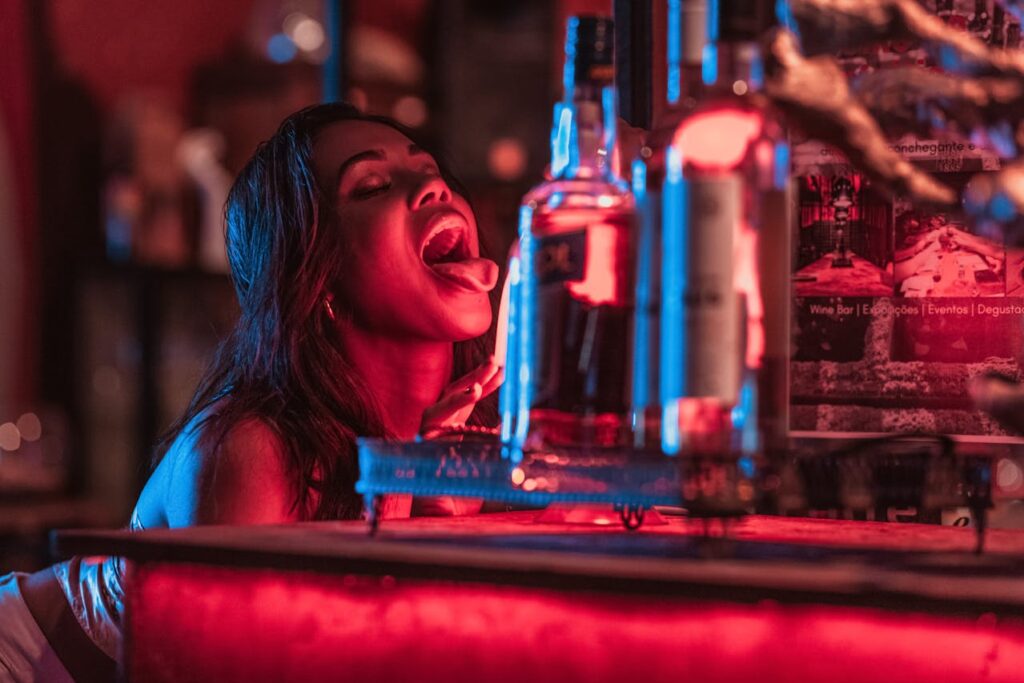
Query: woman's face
point(412, 265)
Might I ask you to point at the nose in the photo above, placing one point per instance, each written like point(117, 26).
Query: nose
point(432, 189)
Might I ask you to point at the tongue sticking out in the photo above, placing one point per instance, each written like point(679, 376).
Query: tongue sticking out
point(474, 274)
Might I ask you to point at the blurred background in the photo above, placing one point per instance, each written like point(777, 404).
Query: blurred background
point(122, 125)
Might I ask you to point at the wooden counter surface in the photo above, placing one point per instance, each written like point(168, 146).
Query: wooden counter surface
point(886, 565)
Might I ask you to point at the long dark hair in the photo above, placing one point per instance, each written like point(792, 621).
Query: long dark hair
point(282, 364)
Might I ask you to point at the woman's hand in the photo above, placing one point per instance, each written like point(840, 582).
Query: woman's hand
point(457, 401)
point(979, 245)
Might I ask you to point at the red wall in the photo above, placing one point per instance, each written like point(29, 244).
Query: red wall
point(119, 46)
point(16, 98)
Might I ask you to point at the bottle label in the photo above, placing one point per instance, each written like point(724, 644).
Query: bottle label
point(712, 314)
point(561, 257)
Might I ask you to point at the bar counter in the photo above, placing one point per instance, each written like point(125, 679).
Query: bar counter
point(505, 597)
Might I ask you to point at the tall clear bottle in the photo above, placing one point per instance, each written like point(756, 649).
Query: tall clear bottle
point(725, 252)
point(576, 240)
point(685, 42)
point(507, 345)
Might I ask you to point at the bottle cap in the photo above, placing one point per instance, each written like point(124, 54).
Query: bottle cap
point(740, 20)
point(693, 30)
point(589, 51)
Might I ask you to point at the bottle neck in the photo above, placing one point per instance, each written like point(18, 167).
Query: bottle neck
point(684, 52)
point(685, 83)
point(584, 138)
point(734, 67)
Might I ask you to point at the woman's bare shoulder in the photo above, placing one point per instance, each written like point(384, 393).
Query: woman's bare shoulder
point(250, 452)
point(241, 479)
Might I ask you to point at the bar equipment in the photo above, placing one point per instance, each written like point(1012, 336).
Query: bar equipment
point(717, 425)
point(725, 257)
point(686, 40)
point(576, 241)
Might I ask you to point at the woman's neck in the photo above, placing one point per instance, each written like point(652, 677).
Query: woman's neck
point(406, 377)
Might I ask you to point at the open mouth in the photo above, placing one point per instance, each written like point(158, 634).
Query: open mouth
point(446, 252)
point(446, 244)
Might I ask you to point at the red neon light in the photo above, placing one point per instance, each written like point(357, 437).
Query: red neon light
point(746, 280)
point(717, 140)
point(192, 623)
point(601, 276)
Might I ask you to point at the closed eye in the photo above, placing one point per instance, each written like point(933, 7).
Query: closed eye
point(371, 185)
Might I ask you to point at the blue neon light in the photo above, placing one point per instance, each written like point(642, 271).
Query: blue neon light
point(507, 395)
point(639, 173)
point(569, 71)
point(561, 138)
point(757, 72)
point(744, 415)
point(781, 171)
point(713, 11)
point(671, 440)
point(747, 466)
point(709, 64)
point(674, 51)
point(609, 100)
point(673, 279)
point(527, 332)
point(784, 13)
point(644, 295)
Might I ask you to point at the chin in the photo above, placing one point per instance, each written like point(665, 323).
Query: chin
point(467, 322)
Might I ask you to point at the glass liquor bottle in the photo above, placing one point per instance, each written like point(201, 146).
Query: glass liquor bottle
point(725, 253)
point(685, 42)
point(507, 344)
point(575, 299)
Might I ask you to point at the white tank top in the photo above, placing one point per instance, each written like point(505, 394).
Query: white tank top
point(95, 592)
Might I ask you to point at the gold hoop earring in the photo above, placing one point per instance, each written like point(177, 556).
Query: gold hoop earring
point(327, 305)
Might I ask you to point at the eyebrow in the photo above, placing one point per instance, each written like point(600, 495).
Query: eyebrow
point(368, 155)
point(374, 155)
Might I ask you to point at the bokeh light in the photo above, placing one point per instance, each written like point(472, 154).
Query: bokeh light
point(281, 48)
point(410, 111)
point(506, 159)
point(357, 98)
point(10, 437)
point(308, 35)
point(29, 427)
point(1009, 475)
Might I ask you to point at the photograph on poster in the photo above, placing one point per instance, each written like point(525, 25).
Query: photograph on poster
point(1015, 271)
point(938, 256)
point(986, 20)
point(899, 305)
point(844, 244)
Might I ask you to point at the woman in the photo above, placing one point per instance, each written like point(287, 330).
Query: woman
point(356, 263)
